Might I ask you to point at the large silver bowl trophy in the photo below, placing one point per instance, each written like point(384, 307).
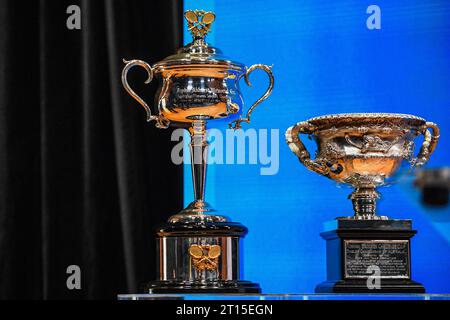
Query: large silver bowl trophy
point(199, 250)
point(364, 150)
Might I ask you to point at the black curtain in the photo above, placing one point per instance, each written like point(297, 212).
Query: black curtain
point(84, 178)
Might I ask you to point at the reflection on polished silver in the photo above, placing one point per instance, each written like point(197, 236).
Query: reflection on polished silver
point(197, 84)
point(181, 267)
point(363, 150)
point(198, 210)
point(199, 249)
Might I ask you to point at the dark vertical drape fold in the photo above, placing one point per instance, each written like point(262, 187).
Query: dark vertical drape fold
point(83, 177)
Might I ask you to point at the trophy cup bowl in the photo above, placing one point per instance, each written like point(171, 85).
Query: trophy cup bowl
point(197, 83)
point(363, 150)
point(198, 248)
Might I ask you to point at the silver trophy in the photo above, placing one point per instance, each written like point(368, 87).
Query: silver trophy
point(199, 249)
point(365, 150)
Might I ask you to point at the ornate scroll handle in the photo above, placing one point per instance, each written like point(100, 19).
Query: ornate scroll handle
point(428, 145)
point(299, 149)
point(161, 122)
point(267, 69)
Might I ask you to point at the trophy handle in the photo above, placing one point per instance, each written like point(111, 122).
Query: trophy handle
point(161, 122)
point(237, 123)
point(298, 148)
point(429, 144)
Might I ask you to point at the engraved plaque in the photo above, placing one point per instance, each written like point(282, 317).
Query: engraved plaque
point(198, 92)
point(391, 256)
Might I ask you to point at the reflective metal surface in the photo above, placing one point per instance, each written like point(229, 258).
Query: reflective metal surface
point(176, 261)
point(363, 150)
point(196, 85)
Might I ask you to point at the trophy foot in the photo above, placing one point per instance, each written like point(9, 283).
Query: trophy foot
point(197, 211)
point(185, 287)
point(364, 217)
point(364, 201)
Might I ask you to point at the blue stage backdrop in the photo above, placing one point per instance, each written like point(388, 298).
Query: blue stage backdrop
point(326, 60)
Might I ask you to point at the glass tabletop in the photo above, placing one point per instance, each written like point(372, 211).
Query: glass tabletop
point(374, 296)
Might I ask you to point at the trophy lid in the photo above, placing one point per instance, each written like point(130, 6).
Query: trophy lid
point(198, 52)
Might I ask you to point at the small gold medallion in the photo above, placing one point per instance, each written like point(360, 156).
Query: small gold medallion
point(205, 257)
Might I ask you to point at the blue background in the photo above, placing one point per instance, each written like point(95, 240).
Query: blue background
point(327, 61)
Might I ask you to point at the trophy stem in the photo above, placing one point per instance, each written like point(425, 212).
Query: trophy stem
point(198, 210)
point(199, 157)
point(364, 204)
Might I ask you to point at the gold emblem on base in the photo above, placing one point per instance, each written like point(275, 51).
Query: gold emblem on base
point(205, 257)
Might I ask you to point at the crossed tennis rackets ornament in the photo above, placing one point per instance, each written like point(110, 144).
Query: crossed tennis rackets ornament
point(205, 257)
point(199, 22)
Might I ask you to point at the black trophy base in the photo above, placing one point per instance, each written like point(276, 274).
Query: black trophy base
point(369, 256)
point(183, 287)
point(360, 286)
